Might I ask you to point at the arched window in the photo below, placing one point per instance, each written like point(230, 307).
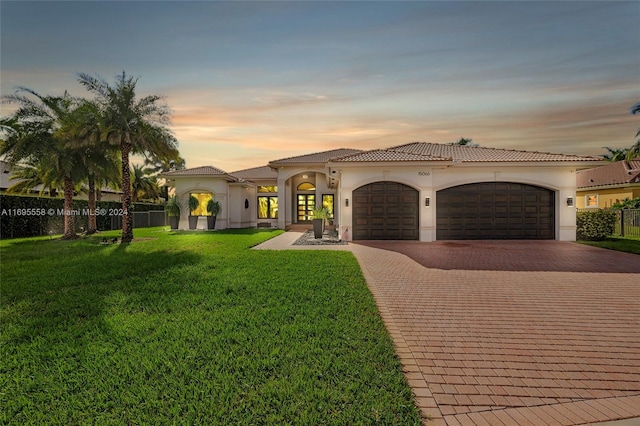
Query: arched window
point(306, 186)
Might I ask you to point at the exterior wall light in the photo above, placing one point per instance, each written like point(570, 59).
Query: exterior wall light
point(427, 202)
point(570, 201)
point(346, 202)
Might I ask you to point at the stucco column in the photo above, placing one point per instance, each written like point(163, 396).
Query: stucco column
point(282, 203)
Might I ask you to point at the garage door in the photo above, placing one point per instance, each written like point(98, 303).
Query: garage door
point(385, 211)
point(495, 210)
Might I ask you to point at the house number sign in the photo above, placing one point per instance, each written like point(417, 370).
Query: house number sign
point(424, 173)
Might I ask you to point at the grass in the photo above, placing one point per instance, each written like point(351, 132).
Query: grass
point(627, 244)
point(192, 328)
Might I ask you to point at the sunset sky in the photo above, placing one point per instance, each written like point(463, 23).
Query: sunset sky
point(251, 82)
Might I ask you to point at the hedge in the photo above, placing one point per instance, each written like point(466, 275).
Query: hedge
point(595, 225)
point(27, 216)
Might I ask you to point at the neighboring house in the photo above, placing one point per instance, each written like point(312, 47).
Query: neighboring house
point(417, 191)
point(601, 187)
point(6, 181)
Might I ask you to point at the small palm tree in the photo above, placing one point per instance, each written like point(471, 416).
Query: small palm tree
point(134, 126)
point(615, 154)
point(143, 185)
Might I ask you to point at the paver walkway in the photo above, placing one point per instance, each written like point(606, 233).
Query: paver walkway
point(502, 346)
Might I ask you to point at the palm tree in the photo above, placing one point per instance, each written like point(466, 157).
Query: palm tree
point(161, 165)
point(33, 173)
point(135, 126)
point(143, 184)
point(83, 130)
point(615, 154)
point(32, 136)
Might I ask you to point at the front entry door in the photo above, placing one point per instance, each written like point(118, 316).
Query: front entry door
point(306, 205)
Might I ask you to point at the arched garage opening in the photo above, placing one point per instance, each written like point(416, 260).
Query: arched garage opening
point(385, 211)
point(495, 211)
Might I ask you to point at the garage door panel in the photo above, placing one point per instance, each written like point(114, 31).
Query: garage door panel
point(495, 210)
point(392, 210)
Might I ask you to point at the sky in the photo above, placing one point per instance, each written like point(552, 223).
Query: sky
point(251, 82)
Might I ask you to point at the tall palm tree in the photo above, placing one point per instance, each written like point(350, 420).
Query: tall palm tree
point(32, 135)
point(135, 126)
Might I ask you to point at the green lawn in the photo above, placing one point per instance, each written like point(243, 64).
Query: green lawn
point(192, 328)
point(629, 245)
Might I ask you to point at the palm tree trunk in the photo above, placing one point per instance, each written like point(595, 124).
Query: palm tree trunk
point(127, 218)
point(69, 223)
point(93, 227)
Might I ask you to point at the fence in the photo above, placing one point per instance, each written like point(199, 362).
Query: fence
point(628, 224)
point(146, 219)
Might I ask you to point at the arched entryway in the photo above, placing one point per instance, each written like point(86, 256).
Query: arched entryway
point(495, 210)
point(385, 211)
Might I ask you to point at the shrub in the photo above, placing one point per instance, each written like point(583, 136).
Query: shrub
point(628, 203)
point(595, 225)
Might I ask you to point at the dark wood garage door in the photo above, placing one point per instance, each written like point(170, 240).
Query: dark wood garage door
point(495, 211)
point(385, 211)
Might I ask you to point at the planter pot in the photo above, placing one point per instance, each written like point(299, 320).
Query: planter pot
point(174, 221)
point(211, 222)
point(193, 222)
point(318, 225)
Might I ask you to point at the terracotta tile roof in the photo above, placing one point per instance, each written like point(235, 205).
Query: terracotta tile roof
point(481, 154)
point(200, 171)
point(318, 157)
point(421, 151)
point(389, 155)
point(618, 173)
point(256, 173)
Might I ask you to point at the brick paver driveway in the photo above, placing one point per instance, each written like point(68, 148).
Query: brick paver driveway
point(513, 333)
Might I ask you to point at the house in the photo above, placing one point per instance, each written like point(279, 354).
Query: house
point(417, 191)
point(601, 187)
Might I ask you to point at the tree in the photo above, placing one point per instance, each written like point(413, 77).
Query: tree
point(634, 151)
point(83, 130)
point(615, 154)
point(134, 126)
point(143, 185)
point(35, 172)
point(161, 165)
point(32, 136)
point(464, 141)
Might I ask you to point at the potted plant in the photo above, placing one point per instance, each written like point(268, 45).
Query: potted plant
point(213, 208)
point(319, 216)
point(193, 204)
point(173, 209)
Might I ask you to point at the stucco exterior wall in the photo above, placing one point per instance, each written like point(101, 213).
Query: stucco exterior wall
point(607, 197)
point(428, 179)
point(185, 185)
point(243, 211)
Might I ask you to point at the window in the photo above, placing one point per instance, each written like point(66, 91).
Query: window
point(327, 203)
point(267, 207)
point(266, 188)
point(203, 199)
point(306, 186)
point(591, 200)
